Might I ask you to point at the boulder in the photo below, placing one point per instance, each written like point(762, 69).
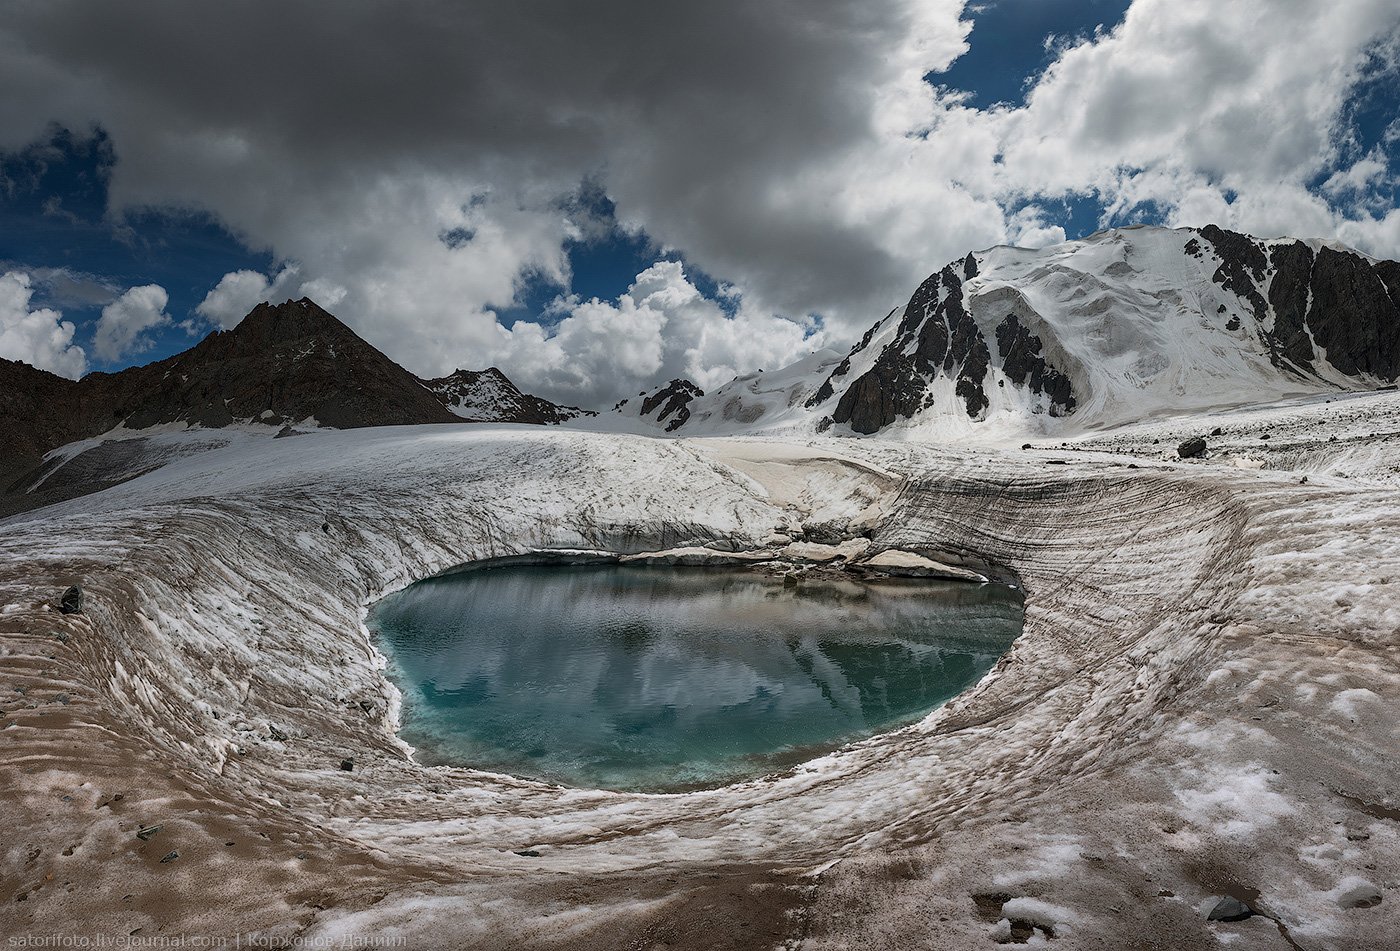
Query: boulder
point(1230, 909)
point(72, 601)
point(1193, 448)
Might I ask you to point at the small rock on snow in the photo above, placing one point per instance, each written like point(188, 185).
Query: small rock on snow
point(1193, 448)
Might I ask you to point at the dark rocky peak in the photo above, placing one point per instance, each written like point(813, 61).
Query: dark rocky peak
point(936, 337)
point(291, 320)
point(282, 363)
point(461, 379)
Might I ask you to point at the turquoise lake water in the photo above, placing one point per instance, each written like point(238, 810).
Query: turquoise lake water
point(665, 679)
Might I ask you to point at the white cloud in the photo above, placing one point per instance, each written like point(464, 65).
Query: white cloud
point(1028, 228)
point(122, 328)
point(41, 338)
point(662, 328)
point(1222, 110)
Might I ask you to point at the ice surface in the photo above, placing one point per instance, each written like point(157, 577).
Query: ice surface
point(1189, 710)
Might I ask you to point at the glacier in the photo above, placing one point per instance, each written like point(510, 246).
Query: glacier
point(1202, 698)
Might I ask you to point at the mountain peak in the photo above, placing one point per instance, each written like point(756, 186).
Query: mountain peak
point(489, 396)
point(289, 320)
point(1122, 324)
point(668, 405)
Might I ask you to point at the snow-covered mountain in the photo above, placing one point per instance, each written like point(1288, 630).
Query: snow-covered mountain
point(667, 407)
point(1122, 325)
point(755, 402)
point(488, 396)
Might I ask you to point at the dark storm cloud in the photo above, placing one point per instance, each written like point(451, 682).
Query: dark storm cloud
point(789, 148)
point(703, 104)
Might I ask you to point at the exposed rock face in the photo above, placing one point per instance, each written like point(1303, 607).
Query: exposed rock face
point(488, 396)
point(283, 363)
point(1354, 315)
point(1042, 332)
point(37, 413)
point(1023, 360)
point(937, 338)
point(669, 405)
point(1339, 301)
point(287, 362)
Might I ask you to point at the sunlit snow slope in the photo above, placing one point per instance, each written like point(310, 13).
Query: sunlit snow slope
point(1122, 325)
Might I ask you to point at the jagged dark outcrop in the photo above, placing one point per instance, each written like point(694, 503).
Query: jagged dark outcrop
point(1288, 295)
point(670, 404)
point(936, 337)
point(1023, 360)
point(1354, 316)
point(1333, 299)
point(488, 396)
point(1243, 266)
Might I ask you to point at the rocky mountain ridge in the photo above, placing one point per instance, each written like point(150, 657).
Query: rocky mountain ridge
point(667, 406)
point(290, 363)
point(1124, 324)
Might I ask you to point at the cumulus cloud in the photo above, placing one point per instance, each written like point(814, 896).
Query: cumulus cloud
point(41, 338)
point(123, 327)
point(1243, 100)
point(793, 150)
point(662, 328)
point(1029, 228)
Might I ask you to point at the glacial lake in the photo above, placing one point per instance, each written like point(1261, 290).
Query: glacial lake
point(668, 679)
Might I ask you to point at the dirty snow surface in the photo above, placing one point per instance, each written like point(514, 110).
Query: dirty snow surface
point(1203, 704)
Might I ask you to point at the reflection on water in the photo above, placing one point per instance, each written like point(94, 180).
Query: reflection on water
point(667, 678)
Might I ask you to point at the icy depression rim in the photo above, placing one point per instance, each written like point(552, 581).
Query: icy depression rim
point(223, 639)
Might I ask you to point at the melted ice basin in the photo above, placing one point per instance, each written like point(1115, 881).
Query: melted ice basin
point(653, 678)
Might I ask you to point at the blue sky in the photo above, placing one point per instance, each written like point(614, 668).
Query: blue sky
point(761, 160)
point(1014, 40)
point(53, 215)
